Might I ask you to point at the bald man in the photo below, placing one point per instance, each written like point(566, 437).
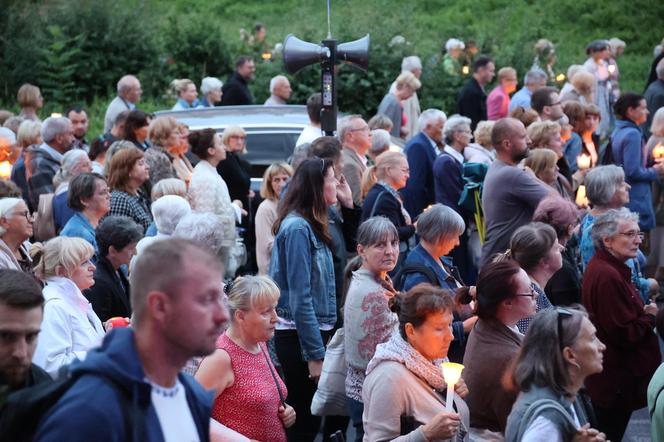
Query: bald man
point(280, 91)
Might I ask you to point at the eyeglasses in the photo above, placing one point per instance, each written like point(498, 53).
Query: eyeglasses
point(26, 214)
point(633, 234)
point(562, 313)
point(531, 295)
point(361, 129)
point(238, 137)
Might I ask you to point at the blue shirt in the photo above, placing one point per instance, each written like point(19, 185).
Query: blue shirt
point(573, 149)
point(521, 98)
point(61, 210)
point(78, 226)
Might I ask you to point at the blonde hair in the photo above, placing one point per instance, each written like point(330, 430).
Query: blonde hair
point(160, 129)
point(482, 133)
point(180, 85)
point(583, 82)
point(378, 172)
point(540, 132)
point(657, 127)
point(60, 256)
point(408, 79)
point(275, 169)
point(169, 186)
point(28, 95)
point(506, 72)
point(540, 160)
point(232, 131)
point(29, 133)
point(248, 292)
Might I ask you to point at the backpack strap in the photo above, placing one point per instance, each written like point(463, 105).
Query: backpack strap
point(375, 204)
point(536, 409)
point(414, 267)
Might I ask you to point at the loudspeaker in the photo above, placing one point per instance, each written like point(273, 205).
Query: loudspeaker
point(355, 52)
point(299, 53)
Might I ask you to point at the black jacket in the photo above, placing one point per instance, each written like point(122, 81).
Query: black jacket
point(472, 102)
point(389, 207)
point(236, 172)
point(236, 92)
point(110, 294)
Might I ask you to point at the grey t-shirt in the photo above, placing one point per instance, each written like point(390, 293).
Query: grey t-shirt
point(509, 199)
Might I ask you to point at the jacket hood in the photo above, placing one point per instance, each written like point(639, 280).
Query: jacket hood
point(622, 124)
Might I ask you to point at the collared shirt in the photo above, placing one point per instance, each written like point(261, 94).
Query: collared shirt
point(273, 100)
point(521, 98)
point(456, 155)
point(362, 158)
point(52, 152)
point(436, 150)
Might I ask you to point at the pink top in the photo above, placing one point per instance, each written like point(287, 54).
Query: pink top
point(250, 406)
point(497, 104)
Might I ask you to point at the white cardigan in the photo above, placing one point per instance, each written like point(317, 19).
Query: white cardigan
point(208, 192)
point(70, 327)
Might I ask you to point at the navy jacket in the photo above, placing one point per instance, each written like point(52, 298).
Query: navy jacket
point(389, 207)
point(448, 182)
point(419, 193)
point(91, 409)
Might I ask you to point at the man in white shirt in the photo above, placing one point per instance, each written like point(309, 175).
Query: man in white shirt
point(129, 92)
point(132, 384)
point(313, 130)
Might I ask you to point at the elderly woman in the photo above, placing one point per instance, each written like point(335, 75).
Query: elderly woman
point(623, 322)
point(607, 189)
point(74, 163)
point(29, 133)
point(378, 250)
point(391, 105)
point(582, 88)
point(391, 171)
point(166, 157)
point(481, 151)
point(562, 349)
point(70, 327)
point(186, 93)
point(116, 238)
point(167, 186)
point(504, 296)
point(30, 100)
point(564, 287)
point(236, 171)
point(439, 229)
point(597, 64)
point(453, 49)
point(247, 399)
point(536, 248)
point(380, 142)
point(211, 90)
point(126, 174)
point(90, 199)
point(205, 229)
point(302, 267)
point(136, 129)
point(15, 230)
point(401, 390)
point(274, 180)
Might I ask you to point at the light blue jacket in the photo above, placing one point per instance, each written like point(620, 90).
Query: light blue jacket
point(78, 226)
point(302, 267)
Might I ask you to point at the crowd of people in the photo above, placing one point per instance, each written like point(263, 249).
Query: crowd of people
point(160, 298)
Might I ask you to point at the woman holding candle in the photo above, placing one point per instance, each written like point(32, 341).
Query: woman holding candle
point(504, 296)
point(404, 390)
point(623, 322)
point(547, 135)
point(656, 147)
point(559, 352)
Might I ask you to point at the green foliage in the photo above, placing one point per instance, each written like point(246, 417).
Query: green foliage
point(58, 64)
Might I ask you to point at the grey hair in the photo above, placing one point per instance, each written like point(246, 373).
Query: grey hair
point(534, 76)
point(54, 126)
point(659, 69)
point(454, 43)
point(345, 126)
point(70, 160)
point(380, 140)
point(7, 206)
point(275, 80)
point(454, 124)
point(429, 117)
point(206, 229)
point(606, 225)
point(125, 84)
point(602, 182)
point(411, 63)
point(208, 84)
point(114, 148)
point(376, 229)
point(439, 222)
point(168, 211)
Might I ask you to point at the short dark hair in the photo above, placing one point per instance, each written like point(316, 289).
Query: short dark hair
point(117, 231)
point(314, 106)
point(135, 120)
point(626, 101)
point(121, 118)
point(328, 148)
point(76, 108)
point(542, 97)
point(242, 59)
point(419, 302)
point(82, 187)
point(20, 290)
point(495, 284)
point(98, 147)
point(201, 141)
point(481, 62)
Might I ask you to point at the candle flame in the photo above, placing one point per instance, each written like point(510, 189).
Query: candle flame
point(612, 68)
point(56, 115)
point(658, 151)
point(5, 170)
point(560, 77)
point(465, 70)
point(451, 372)
point(266, 55)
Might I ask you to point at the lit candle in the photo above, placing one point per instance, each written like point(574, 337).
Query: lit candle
point(56, 115)
point(5, 170)
point(451, 374)
point(465, 70)
point(658, 151)
point(560, 77)
point(612, 68)
point(583, 161)
point(581, 199)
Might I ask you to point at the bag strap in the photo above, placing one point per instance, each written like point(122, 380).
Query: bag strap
point(282, 399)
point(414, 267)
point(375, 204)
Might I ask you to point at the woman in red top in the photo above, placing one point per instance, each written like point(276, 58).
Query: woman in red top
point(249, 395)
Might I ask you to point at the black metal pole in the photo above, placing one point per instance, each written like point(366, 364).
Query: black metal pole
point(328, 114)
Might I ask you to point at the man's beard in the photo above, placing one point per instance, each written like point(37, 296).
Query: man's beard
point(518, 156)
point(16, 377)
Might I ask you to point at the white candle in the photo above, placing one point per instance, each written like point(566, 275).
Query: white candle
point(451, 374)
point(583, 161)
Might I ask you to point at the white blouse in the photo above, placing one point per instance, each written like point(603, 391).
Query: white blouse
point(70, 327)
point(208, 192)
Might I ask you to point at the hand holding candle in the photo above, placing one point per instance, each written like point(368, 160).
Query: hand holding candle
point(658, 151)
point(583, 161)
point(451, 374)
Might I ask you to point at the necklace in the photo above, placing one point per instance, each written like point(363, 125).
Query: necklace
point(163, 391)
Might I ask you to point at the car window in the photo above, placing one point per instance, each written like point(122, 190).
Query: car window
point(264, 149)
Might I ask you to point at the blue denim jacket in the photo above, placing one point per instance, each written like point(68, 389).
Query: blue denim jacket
point(78, 226)
point(302, 267)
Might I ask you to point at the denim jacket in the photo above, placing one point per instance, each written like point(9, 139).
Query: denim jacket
point(302, 267)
